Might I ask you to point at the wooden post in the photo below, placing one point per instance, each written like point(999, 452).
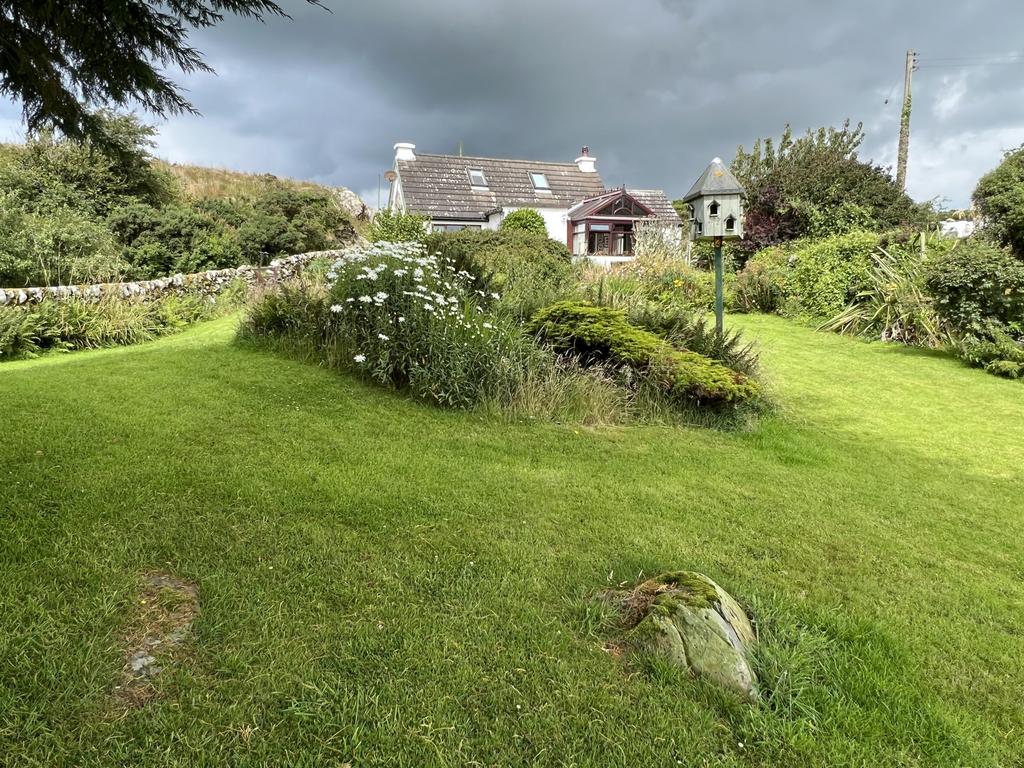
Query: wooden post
point(901, 159)
point(719, 288)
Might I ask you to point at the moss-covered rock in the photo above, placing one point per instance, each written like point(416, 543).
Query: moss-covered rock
point(690, 621)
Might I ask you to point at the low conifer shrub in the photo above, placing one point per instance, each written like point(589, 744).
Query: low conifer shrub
point(603, 334)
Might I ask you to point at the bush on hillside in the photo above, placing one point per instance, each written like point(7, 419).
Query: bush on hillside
point(72, 213)
point(518, 272)
point(49, 173)
point(59, 246)
point(525, 220)
point(217, 234)
point(603, 334)
point(828, 273)
point(977, 285)
point(396, 227)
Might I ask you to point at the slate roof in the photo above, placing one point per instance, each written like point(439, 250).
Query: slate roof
point(716, 179)
point(659, 203)
point(438, 185)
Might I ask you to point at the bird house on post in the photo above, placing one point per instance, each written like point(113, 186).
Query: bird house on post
point(716, 212)
point(716, 204)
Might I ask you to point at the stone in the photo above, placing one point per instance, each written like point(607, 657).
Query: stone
point(140, 660)
point(691, 622)
point(350, 202)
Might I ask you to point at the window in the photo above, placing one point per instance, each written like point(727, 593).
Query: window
point(452, 227)
point(598, 244)
point(540, 182)
point(730, 224)
point(713, 208)
point(477, 178)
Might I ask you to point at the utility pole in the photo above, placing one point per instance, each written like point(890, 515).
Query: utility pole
point(901, 160)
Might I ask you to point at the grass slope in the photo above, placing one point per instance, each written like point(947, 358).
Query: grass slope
point(201, 182)
point(385, 584)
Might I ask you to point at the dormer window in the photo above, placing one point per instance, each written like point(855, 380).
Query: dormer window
point(540, 181)
point(477, 178)
point(713, 208)
point(730, 224)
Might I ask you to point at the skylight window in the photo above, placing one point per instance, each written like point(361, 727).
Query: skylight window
point(477, 178)
point(540, 181)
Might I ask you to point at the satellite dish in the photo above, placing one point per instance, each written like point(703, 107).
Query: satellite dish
point(390, 176)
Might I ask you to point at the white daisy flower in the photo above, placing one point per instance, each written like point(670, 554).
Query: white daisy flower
point(336, 308)
point(382, 337)
point(360, 358)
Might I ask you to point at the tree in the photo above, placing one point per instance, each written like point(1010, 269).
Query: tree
point(525, 220)
point(63, 59)
point(815, 185)
point(49, 172)
point(999, 197)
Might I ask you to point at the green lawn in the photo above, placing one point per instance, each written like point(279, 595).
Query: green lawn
point(387, 584)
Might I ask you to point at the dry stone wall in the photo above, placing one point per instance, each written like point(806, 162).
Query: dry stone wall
point(209, 283)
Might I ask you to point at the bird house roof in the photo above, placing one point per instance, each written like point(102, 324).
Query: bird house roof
point(716, 180)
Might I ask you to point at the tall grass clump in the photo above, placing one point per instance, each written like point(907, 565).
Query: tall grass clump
point(82, 323)
point(894, 304)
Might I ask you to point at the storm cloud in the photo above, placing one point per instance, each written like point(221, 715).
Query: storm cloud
point(656, 88)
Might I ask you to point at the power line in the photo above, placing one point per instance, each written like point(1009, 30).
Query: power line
point(977, 60)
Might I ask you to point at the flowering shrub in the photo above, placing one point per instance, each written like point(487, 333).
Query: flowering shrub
point(409, 319)
point(415, 321)
point(528, 270)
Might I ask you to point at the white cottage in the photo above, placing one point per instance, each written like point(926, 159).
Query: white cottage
point(456, 192)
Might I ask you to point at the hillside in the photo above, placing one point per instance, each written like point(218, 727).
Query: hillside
point(200, 182)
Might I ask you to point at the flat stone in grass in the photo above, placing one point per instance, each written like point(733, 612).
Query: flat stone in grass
point(687, 619)
point(158, 635)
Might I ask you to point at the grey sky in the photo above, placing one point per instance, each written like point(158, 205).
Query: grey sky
point(655, 87)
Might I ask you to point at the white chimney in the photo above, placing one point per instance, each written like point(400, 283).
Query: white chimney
point(405, 151)
point(585, 162)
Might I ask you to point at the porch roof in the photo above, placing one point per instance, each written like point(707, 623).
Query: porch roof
point(591, 206)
